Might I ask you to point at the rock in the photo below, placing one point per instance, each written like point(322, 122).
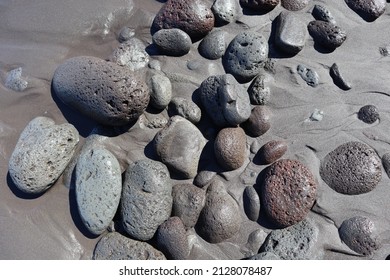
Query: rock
point(15, 81)
point(114, 246)
point(131, 54)
point(246, 55)
point(251, 203)
point(188, 201)
point(225, 100)
point(186, 109)
point(230, 148)
point(98, 188)
point(369, 10)
point(262, 6)
point(125, 34)
point(308, 75)
point(326, 34)
point(204, 177)
point(192, 16)
point(264, 256)
point(292, 243)
point(255, 239)
point(386, 163)
point(160, 91)
point(272, 151)
point(290, 34)
point(179, 145)
point(259, 91)
point(351, 168)
point(104, 91)
point(172, 239)
point(294, 5)
point(259, 121)
point(220, 218)
point(288, 192)
point(368, 114)
point(146, 198)
point(322, 13)
point(316, 116)
point(174, 42)
point(225, 11)
point(213, 46)
point(41, 154)
point(338, 79)
point(358, 233)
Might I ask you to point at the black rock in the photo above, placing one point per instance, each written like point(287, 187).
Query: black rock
point(368, 114)
point(338, 79)
point(326, 34)
point(369, 10)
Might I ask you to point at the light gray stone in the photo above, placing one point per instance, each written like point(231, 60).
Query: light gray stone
point(125, 34)
point(225, 11)
point(213, 46)
point(161, 91)
point(15, 81)
point(98, 188)
point(291, 33)
point(173, 41)
point(186, 109)
point(146, 198)
point(259, 90)
point(41, 154)
point(308, 75)
point(131, 54)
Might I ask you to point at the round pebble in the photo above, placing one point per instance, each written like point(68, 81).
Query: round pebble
point(358, 233)
point(322, 13)
point(289, 192)
point(174, 42)
point(369, 10)
point(98, 188)
point(259, 90)
point(368, 114)
point(213, 46)
point(308, 75)
point(106, 92)
point(185, 108)
point(294, 5)
point(262, 6)
point(114, 246)
point(251, 202)
point(131, 54)
point(352, 168)
point(230, 148)
point(225, 11)
point(160, 91)
point(259, 121)
point(41, 154)
point(192, 16)
point(146, 198)
point(272, 151)
point(246, 55)
point(326, 34)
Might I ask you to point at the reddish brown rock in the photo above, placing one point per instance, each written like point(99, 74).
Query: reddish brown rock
point(288, 193)
point(272, 151)
point(259, 121)
point(230, 147)
point(192, 16)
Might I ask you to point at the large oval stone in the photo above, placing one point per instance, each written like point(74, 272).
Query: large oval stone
point(104, 91)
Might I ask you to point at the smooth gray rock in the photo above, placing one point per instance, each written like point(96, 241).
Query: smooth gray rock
point(213, 46)
point(246, 55)
point(41, 154)
point(131, 54)
point(308, 75)
point(322, 13)
point(160, 91)
point(294, 5)
point(174, 42)
point(172, 239)
point(251, 202)
point(146, 198)
point(368, 114)
point(15, 81)
point(125, 34)
point(291, 33)
point(293, 243)
point(259, 90)
point(98, 188)
point(186, 109)
point(104, 91)
point(326, 34)
point(225, 11)
point(225, 100)
point(359, 234)
point(220, 218)
point(188, 201)
point(369, 10)
point(204, 177)
point(179, 145)
point(114, 246)
point(338, 78)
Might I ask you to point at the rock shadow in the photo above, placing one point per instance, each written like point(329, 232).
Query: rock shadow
point(17, 192)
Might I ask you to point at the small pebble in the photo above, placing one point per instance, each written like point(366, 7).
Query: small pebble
point(125, 34)
point(326, 34)
point(186, 109)
point(369, 10)
point(174, 42)
point(251, 202)
point(338, 79)
point(259, 90)
point(294, 5)
point(316, 116)
point(15, 81)
point(160, 91)
point(259, 121)
point(272, 151)
point(322, 13)
point(225, 11)
point(308, 75)
point(213, 46)
point(368, 114)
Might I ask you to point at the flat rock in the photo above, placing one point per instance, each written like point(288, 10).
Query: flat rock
point(259, 121)
point(291, 33)
point(213, 46)
point(225, 11)
point(326, 34)
point(104, 91)
point(259, 90)
point(114, 246)
point(294, 5)
point(262, 6)
point(292, 243)
point(288, 192)
point(246, 55)
point(146, 198)
point(368, 114)
point(188, 201)
point(251, 202)
point(351, 168)
point(220, 218)
point(230, 148)
point(322, 13)
point(179, 145)
point(272, 151)
point(41, 154)
point(338, 78)
point(309, 75)
point(192, 16)
point(160, 91)
point(369, 10)
point(131, 54)
point(225, 100)
point(359, 234)
point(174, 42)
point(185, 108)
point(98, 188)
point(172, 239)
